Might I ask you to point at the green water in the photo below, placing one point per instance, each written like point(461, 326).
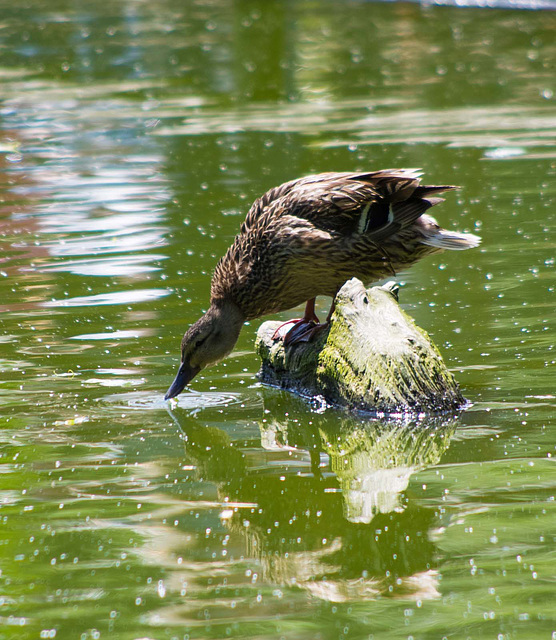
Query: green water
point(133, 137)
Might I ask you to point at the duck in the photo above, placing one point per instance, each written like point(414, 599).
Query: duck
point(306, 238)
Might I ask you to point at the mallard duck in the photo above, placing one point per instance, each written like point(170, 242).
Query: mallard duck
point(305, 238)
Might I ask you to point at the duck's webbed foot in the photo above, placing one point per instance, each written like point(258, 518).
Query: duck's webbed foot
point(301, 329)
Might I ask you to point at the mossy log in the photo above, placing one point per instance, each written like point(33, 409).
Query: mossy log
point(372, 357)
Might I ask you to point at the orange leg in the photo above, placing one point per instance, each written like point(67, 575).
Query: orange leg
point(332, 307)
point(310, 315)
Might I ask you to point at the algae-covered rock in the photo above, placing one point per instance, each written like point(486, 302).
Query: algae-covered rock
point(372, 357)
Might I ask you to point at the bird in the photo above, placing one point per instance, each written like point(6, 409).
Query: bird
point(306, 238)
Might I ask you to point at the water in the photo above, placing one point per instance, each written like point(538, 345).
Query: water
point(133, 137)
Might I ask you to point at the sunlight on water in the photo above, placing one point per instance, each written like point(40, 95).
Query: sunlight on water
point(116, 266)
point(114, 335)
point(455, 127)
point(133, 138)
point(119, 297)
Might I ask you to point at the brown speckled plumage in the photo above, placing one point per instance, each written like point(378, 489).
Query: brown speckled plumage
point(306, 238)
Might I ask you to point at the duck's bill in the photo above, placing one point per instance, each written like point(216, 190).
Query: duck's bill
point(186, 373)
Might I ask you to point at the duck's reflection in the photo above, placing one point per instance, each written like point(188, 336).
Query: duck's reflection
point(322, 504)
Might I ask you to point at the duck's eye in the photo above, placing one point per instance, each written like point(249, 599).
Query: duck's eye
point(200, 342)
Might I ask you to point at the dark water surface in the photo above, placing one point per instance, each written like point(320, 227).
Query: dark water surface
point(133, 136)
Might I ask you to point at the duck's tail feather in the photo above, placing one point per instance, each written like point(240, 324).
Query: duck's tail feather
point(403, 214)
point(425, 191)
point(407, 212)
point(443, 239)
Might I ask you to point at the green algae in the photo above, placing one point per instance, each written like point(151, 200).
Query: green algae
point(373, 357)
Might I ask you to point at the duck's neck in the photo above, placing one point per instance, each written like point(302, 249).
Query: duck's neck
point(229, 319)
point(228, 309)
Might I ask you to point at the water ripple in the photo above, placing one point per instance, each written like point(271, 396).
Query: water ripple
point(493, 126)
point(190, 401)
point(117, 297)
point(113, 266)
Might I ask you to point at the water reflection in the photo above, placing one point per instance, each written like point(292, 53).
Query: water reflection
point(132, 138)
point(324, 506)
point(119, 297)
point(342, 123)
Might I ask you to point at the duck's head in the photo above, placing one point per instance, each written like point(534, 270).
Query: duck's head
point(206, 342)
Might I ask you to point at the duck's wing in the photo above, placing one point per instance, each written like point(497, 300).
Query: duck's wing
point(376, 204)
point(291, 193)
